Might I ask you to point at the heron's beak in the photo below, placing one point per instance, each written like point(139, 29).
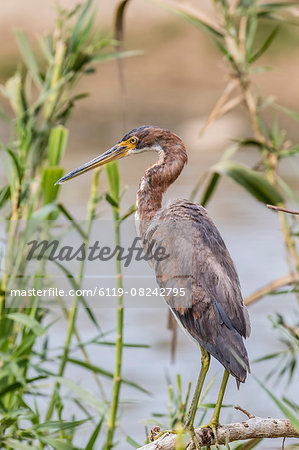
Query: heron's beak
point(118, 151)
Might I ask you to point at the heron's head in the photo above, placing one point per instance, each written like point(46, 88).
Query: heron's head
point(136, 141)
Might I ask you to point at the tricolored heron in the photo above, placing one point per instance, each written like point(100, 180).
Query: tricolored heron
point(211, 310)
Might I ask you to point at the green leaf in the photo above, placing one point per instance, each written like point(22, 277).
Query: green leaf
point(130, 211)
point(44, 45)
point(251, 142)
point(101, 57)
point(251, 32)
point(18, 445)
point(288, 190)
point(4, 195)
point(132, 442)
point(222, 49)
point(79, 28)
point(289, 152)
point(11, 388)
point(260, 69)
point(294, 406)
point(16, 164)
point(265, 45)
point(74, 223)
point(105, 373)
point(57, 144)
point(251, 180)
point(76, 287)
point(48, 93)
point(293, 114)
point(93, 437)
point(49, 177)
point(59, 425)
point(279, 5)
point(113, 179)
point(111, 200)
point(43, 212)
point(267, 357)
point(83, 394)
point(28, 322)
point(283, 408)
point(28, 55)
point(213, 182)
point(57, 444)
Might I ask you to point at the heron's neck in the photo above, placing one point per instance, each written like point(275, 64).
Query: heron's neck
point(154, 183)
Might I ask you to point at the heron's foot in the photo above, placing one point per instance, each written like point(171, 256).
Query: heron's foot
point(157, 435)
point(213, 424)
point(189, 431)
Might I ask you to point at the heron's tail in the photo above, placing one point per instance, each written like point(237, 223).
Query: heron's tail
point(230, 351)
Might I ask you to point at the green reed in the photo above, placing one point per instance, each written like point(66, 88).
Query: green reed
point(42, 100)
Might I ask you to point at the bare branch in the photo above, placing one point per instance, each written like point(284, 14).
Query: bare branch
point(216, 112)
point(277, 208)
point(195, 14)
point(247, 413)
point(276, 284)
point(256, 427)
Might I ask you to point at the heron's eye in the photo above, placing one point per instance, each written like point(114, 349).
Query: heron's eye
point(133, 140)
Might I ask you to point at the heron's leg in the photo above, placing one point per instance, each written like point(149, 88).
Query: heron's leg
point(205, 363)
point(215, 417)
point(214, 422)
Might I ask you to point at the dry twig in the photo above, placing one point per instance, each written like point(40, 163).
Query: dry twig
point(278, 208)
point(247, 413)
point(270, 287)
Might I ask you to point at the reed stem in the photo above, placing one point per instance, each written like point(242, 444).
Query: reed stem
point(119, 340)
point(74, 309)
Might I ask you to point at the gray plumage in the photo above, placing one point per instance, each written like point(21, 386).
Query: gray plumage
point(212, 311)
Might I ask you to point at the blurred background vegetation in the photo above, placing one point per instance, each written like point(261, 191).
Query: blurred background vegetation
point(175, 83)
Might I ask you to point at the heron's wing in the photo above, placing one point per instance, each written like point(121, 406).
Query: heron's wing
point(198, 264)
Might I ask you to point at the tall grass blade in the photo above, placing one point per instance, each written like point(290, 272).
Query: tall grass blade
point(29, 322)
point(4, 195)
point(77, 32)
point(57, 444)
point(72, 220)
point(84, 395)
point(213, 182)
point(110, 56)
point(106, 373)
point(76, 287)
point(283, 408)
point(28, 55)
point(289, 112)
point(91, 443)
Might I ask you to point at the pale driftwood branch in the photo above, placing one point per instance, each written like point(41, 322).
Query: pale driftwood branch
point(256, 427)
